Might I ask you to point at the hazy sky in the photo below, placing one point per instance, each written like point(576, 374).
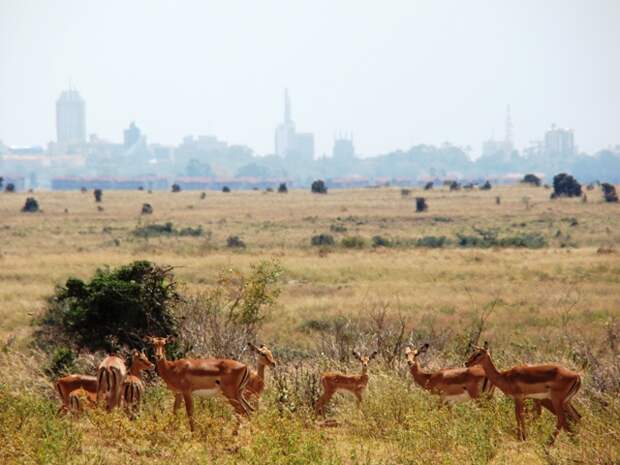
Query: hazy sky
point(395, 73)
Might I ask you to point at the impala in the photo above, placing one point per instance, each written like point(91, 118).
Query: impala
point(256, 383)
point(451, 384)
point(110, 377)
point(78, 398)
point(70, 383)
point(553, 385)
point(133, 387)
point(333, 382)
point(185, 377)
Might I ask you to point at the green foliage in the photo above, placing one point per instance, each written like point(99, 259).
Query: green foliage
point(322, 240)
point(61, 362)
point(318, 187)
point(609, 192)
point(235, 242)
point(31, 205)
point(564, 185)
point(115, 308)
point(353, 242)
point(282, 189)
point(489, 238)
point(432, 242)
point(379, 241)
point(338, 228)
point(166, 229)
point(531, 179)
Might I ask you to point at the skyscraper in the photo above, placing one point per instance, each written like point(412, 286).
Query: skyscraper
point(289, 143)
point(70, 119)
point(559, 142)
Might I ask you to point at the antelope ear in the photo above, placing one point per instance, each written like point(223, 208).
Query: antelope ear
point(424, 348)
point(373, 355)
point(252, 346)
point(486, 345)
point(356, 354)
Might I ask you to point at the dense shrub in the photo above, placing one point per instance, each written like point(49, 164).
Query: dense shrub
point(609, 192)
point(339, 228)
point(488, 238)
point(235, 242)
point(10, 187)
point(31, 205)
point(203, 195)
point(147, 209)
point(61, 362)
point(564, 185)
point(486, 186)
point(176, 188)
point(379, 241)
point(531, 179)
point(318, 187)
point(189, 231)
point(1, 181)
point(116, 308)
point(322, 239)
point(428, 186)
point(98, 193)
point(454, 186)
point(226, 189)
point(420, 204)
point(282, 189)
point(154, 230)
point(432, 242)
point(353, 242)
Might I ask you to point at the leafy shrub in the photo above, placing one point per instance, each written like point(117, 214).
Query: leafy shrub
point(318, 187)
point(98, 193)
point(235, 242)
point(193, 232)
point(176, 188)
point(322, 239)
point(564, 185)
point(353, 242)
point(203, 195)
point(609, 192)
point(420, 204)
point(432, 242)
point(339, 228)
point(454, 186)
point(226, 189)
point(154, 230)
point(531, 179)
point(488, 238)
point(31, 205)
point(62, 361)
point(116, 308)
point(379, 241)
point(10, 187)
point(147, 209)
point(486, 186)
point(529, 241)
point(282, 189)
point(428, 186)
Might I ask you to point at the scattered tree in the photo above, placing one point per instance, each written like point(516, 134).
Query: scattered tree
point(225, 189)
point(31, 205)
point(282, 189)
point(176, 187)
point(83, 190)
point(322, 239)
point(564, 185)
point(203, 195)
point(486, 186)
point(318, 187)
point(428, 186)
point(454, 186)
point(235, 242)
point(498, 200)
point(531, 179)
point(1, 181)
point(609, 192)
point(147, 209)
point(98, 193)
point(10, 187)
point(420, 204)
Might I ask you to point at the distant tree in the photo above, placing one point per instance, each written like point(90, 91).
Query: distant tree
point(454, 186)
point(31, 205)
point(98, 193)
point(10, 187)
point(609, 192)
point(83, 190)
point(1, 182)
point(140, 188)
point(486, 186)
point(225, 189)
point(282, 189)
point(318, 187)
point(203, 195)
point(564, 185)
point(147, 209)
point(531, 179)
point(235, 242)
point(420, 204)
point(176, 187)
point(428, 186)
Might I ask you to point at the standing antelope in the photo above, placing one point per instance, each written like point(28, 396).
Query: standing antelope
point(333, 382)
point(185, 377)
point(70, 383)
point(133, 387)
point(256, 383)
point(110, 377)
point(451, 384)
point(553, 385)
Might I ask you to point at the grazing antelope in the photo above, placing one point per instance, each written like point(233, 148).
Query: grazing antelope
point(133, 387)
point(333, 382)
point(256, 384)
point(553, 385)
point(70, 383)
point(78, 399)
point(451, 384)
point(110, 377)
point(185, 377)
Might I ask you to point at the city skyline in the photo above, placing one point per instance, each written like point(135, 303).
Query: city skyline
point(411, 74)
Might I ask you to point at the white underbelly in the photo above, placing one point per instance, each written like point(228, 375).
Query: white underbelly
point(457, 398)
point(206, 392)
point(539, 395)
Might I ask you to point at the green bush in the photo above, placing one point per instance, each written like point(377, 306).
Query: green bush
point(189, 231)
point(322, 239)
point(353, 242)
point(116, 308)
point(62, 361)
point(488, 238)
point(379, 241)
point(154, 230)
point(432, 242)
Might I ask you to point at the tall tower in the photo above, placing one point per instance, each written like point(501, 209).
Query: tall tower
point(285, 132)
point(70, 118)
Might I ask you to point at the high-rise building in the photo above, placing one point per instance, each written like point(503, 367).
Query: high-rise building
point(131, 135)
point(289, 143)
point(343, 149)
point(70, 119)
point(559, 141)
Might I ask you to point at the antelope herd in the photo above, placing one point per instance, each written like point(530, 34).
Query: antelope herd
point(550, 386)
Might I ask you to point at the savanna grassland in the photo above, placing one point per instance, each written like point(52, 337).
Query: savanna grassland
point(538, 278)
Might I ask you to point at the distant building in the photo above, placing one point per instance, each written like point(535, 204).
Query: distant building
point(70, 119)
point(559, 141)
point(503, 148)
point(289, 143)
point(343, 149)
point(131, 135)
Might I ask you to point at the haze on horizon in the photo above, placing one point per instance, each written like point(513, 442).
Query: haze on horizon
point(408, 73)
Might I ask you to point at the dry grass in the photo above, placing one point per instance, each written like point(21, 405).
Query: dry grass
point(552, 304)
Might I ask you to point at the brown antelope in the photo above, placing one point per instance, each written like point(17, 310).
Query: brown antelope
point(70, 383)
point(333, 382)
point(133, 387)
point(185, 377)
point(110, 378)
point(451, 384)
point(553, 385)
point(78, 399)
point(256, 383)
